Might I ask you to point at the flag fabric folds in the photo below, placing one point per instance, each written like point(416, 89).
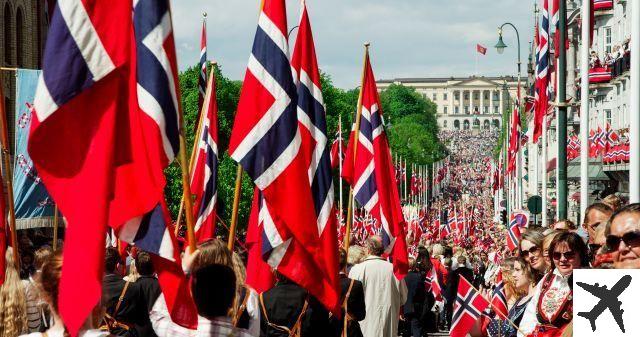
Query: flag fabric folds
point(499, 298)
point(279, 137)
point(514, 140)
point(105, 125)
point(369, 170)
point(480, 49)
point(33, 205)
point(202, 77)
point(204, 175)
point(513, 233)
point(468, 307)
point(542, 74)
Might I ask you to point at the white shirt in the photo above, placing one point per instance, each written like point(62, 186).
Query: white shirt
point(383, 296)
point(165, 327)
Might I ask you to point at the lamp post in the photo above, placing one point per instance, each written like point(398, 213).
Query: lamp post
point(562, 112)
point(500, 47)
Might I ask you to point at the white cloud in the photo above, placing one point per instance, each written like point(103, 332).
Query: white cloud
point(408, 37)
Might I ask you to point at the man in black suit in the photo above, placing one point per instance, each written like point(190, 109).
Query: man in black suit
point(451, 290)
point(288, 307)
point(416, 296)
point(121, 298)
point(149, 290)
point(353, 291)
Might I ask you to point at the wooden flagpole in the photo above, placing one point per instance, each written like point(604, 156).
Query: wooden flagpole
point(194, 150)
point(347, 237)
point(8, 179)
point(234, 211)
point(186, 181)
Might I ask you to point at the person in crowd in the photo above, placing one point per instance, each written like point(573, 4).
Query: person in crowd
point(623, 236)
point(612, 201)
point(214, 295)
point(245, 312)
point(352, 303)
point(148, 289)
point(596, 215)
point(27, 267)
point(383, 291)
point(546, 243)
point(123, 309)
point(37, 309)
point(356, 255)
point(565, 225)
point(551, 306)
point(480, 269)
point(522, 282)
point(49, 282)
point(416, 298)
point(289, 310)
point(531, 251)
point(451, 289)
point(13, 302)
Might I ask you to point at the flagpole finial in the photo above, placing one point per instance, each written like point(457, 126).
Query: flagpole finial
point(367, 44)
point(204, 15)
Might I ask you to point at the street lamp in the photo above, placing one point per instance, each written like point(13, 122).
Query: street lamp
point(500, 46)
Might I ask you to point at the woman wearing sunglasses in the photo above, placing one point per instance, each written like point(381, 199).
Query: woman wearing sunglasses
point(531, 252)
point(623, 236)
point(551, 306)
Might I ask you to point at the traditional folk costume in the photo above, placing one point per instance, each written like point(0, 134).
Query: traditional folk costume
point(550, 309)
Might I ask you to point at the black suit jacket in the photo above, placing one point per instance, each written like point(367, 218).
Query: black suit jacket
point(355, 305)
point(451, 290)
point(283, 304)
point(130, 311)
point(148, 290)
point(416, 294)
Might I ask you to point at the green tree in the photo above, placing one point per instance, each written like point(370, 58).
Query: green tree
point(412, 125)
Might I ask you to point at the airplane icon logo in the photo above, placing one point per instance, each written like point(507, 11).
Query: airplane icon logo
point(608, 300)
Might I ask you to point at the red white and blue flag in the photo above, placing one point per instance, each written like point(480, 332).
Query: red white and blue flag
point(204, 176)
point(513, 233)
point(202, 76)
point(542, 74)
point(499, 298)
point(105, 126)
point(514, 140)
point(279, 138)
point(467, 309)
point(371, 173)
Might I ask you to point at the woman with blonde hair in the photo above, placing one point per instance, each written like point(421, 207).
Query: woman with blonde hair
point(13, 301)
point(49, 285)
point(245, 312)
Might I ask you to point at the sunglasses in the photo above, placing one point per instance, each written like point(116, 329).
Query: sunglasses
point(532, 251)
point(570, 255)
point(631, 239)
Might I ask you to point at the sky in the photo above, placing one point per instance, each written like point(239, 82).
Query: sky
point(409, 38)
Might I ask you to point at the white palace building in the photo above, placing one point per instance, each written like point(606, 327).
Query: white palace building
point(464, 102)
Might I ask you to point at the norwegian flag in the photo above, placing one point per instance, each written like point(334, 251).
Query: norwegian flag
point(513, 233)
point(337, 149)
point(480, 49)
point(601, 140)
point(434, 284)
point(593, 144)
point(499, 297)
point(202, 78)
point(371, 173)
point(312, 118)
point(542, 73)
point(514, 140)
point(449, 224)
point(204, 176)
point(117, 90)
point(467, 309)
point(279, 137)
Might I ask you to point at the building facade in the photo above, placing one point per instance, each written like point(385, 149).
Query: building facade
point(23, 28)
point(609, 99)
point(464, 103)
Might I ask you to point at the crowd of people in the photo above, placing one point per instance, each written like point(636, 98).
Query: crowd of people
point(537, 276)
